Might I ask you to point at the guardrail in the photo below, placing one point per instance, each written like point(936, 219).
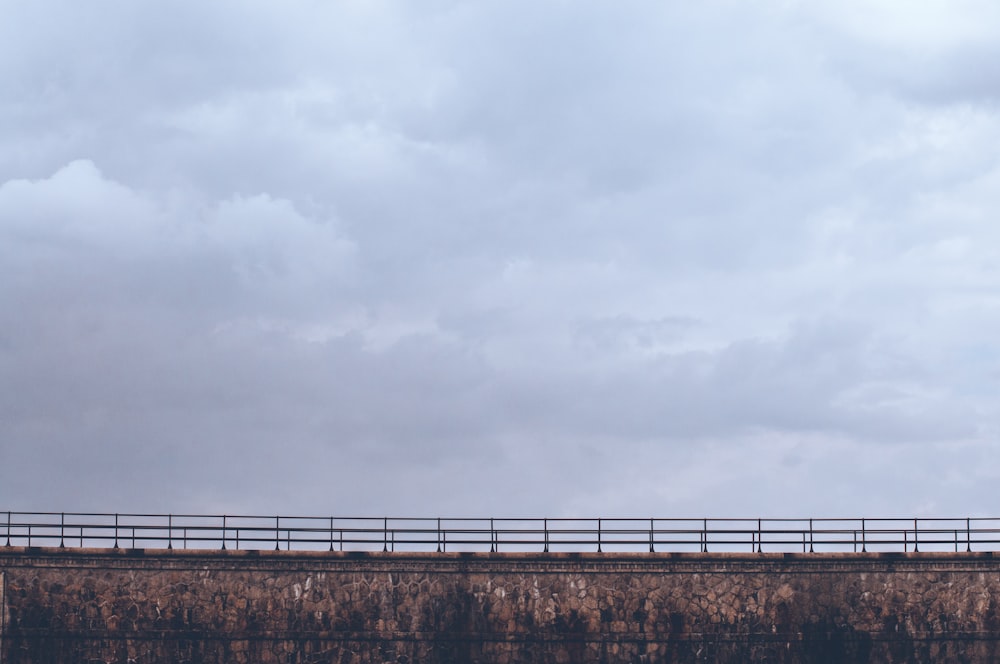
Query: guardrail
point(190, 531)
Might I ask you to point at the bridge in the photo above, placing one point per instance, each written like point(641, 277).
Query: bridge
point(222, 588)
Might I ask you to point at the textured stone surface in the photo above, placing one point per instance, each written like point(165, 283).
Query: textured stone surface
point(90, 606)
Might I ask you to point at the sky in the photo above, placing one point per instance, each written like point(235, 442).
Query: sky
point(500, 257)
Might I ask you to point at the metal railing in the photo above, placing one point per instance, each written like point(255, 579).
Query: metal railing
point(299, 533)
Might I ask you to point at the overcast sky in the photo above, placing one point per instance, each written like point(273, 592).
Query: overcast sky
point(500, 257)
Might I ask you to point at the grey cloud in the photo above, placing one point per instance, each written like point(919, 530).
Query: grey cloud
point(605, 332)
point(966, 75)
point(509, 257)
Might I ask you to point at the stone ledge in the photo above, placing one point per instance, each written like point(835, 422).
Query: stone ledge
point(222, 561)
point(589, 556)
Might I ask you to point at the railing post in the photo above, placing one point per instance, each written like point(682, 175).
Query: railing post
point(223, 532)
point(29, 534)
point(651, 550)
point(545, 525)
point(493, 537)
point(704, 535)
point(170, 532)
point(331, 533)
point(62, 528)
point(916, 537)
point(864, 538)
point(598, 535)
point(385, 534)
point(439, 535)
point(811, 548)
point(277, 533)
point(116, 531)
point(8, 528)
point(760, 544)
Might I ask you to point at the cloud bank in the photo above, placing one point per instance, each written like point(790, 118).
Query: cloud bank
point(500, 258)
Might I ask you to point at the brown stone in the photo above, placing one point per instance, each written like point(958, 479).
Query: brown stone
point(79, 605)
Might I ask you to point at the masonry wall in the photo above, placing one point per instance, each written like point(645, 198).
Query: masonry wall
point(238, 606)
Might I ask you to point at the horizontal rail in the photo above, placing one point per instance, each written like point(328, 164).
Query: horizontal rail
point(308, 533)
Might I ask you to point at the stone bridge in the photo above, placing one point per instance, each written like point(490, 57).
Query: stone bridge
point(158, 605)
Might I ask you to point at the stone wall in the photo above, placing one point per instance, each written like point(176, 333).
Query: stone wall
point(237, 606)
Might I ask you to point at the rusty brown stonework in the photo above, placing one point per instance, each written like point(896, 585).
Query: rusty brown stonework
point(293, 607)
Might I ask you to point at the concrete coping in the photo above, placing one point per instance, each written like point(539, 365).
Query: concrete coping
point(425, 556)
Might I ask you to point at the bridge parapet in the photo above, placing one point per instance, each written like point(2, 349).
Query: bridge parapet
point(161, 605)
